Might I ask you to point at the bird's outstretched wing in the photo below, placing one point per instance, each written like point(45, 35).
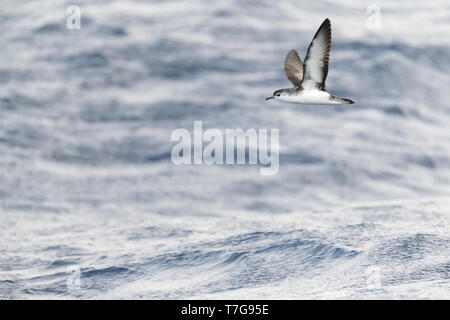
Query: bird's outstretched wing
point(293, 67)
point(317, 58)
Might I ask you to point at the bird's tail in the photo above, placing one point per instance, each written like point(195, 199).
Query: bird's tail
point(341, 100)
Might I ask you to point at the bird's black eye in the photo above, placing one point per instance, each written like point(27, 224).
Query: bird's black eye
point(277, 94)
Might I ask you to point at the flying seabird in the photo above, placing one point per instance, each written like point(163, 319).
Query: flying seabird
point(309, 78)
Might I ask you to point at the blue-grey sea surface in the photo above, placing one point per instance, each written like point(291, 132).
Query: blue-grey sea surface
point(92, 206)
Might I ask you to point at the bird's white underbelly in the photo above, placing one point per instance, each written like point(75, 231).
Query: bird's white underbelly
point(309, 97)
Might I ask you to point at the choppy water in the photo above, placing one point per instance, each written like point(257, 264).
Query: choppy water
point(359, 209)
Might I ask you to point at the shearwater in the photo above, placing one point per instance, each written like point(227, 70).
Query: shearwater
point(309, 78)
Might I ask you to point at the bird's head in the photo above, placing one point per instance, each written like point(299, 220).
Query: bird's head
point(279, 94)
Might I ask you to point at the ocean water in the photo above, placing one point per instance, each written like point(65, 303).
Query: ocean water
point(93, 208)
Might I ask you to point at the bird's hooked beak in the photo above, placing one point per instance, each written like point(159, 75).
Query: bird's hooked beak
point(269, 98)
